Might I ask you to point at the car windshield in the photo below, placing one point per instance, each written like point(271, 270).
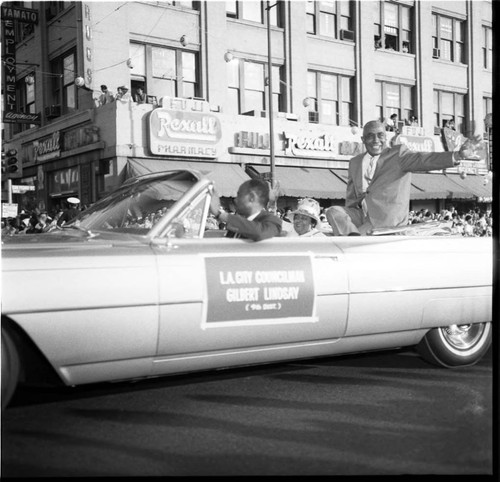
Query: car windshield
point(138, 205)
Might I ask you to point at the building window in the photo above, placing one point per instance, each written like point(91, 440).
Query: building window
point(138, 76)
point(183, 4)
point(449, 106)
point(393, 27)
point(487, 109)
point(330, 19)
point(22, 30)
point(393, 99)
point(487, 48)
point(53, 9)
point(63, 82)
point(329, 98)
point(448, 38)
point(247, 87)
point(165, 71)
point(177, 70)
point(25, 100)
point(255, 11)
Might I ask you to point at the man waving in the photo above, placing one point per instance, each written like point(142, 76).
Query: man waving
point(378, 185)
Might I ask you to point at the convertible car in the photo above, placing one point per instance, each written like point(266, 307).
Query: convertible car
point(139, 286)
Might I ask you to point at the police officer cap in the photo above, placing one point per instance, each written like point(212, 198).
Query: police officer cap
point(73, 200)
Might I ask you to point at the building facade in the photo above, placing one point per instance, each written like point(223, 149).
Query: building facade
point(206, 69)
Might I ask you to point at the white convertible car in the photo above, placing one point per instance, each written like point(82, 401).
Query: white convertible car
point(138, 287)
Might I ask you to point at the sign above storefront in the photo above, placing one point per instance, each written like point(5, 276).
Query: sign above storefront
point(47, 147)
point(416, 143)
point(186, 105)
point(184, 133)
point(320, 146)
point(413, 131)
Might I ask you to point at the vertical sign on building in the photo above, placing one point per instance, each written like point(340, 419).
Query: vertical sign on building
point(88, 49)
point(10, 16)
point(9, 66)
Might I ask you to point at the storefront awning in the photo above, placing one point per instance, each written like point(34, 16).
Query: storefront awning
point(302, 182)
point(227, 177)
point(437, 186)
point(475, 184)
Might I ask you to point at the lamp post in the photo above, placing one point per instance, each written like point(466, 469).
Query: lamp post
point(270, 92)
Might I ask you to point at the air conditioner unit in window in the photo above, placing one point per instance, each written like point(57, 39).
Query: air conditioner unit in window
point(255, 113)
point(346, 35)
point(313, 117)
point(286, 115)
point(52, 111)
point(436, 53)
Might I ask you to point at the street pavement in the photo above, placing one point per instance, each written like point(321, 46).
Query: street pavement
point(387, 413)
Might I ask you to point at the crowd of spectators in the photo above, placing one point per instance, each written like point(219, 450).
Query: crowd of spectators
point(475, 222)
point(122, 94)
point(35, 222)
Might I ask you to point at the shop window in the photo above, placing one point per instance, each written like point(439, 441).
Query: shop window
point(255, 11)
point(393, 27)
point(448, 38)
point(329, 99)
point(449, 107)
point(393, 99)
point(247, 87)
point(331, 19)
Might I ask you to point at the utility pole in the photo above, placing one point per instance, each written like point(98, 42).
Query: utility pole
point(270, 92)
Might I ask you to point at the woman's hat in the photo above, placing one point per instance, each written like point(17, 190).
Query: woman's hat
point(309, 207)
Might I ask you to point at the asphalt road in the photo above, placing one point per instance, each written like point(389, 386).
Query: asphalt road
point(387, 413)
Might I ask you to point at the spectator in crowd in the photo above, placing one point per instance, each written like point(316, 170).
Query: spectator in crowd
point(378, 186)
point(140, 96)
point(106, 96)
point(11, 227)
point(123, 94)
point(43, 223)
point(468, 226)
point(306, 218)
point(251, 220)
point(450, 124)
point(412, 121)
point(391, 124)
point(71, 213)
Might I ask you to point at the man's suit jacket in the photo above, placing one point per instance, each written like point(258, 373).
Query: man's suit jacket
point(388, 195)
point(265, 225)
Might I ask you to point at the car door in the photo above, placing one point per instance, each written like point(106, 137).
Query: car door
point(233, 301)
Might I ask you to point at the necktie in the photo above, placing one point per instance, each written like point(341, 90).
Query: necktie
point(370, 170)
point(367, 180)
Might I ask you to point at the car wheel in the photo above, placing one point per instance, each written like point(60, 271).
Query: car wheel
point(456, 345)
point(10, 368)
